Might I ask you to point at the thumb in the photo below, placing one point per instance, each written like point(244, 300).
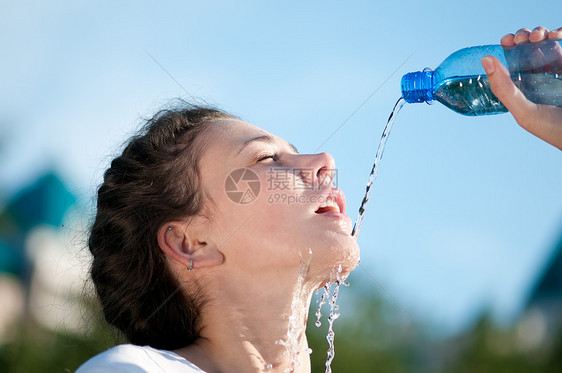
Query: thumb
point(511, 97)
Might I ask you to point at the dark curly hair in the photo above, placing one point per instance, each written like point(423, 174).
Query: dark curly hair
point(155, 180)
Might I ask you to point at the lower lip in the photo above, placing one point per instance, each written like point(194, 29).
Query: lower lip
point(338, 215)
point(344, 221)
point(333, 214)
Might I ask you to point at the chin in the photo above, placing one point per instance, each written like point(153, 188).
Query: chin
point(324, 267)
point(351, 260)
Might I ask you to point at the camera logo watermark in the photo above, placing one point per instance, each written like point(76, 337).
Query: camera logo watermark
point(242, 186)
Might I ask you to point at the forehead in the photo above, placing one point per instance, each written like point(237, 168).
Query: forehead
point(234, 132)
point(237, 133)
point(223, 139)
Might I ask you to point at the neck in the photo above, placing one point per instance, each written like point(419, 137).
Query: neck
point(255, 327)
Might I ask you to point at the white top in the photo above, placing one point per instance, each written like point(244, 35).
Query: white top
point(129, 358)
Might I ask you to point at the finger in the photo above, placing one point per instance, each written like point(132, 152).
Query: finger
point(552, 51)
point(538, 34)
point(506, 91)
point(522, 36)
point(507, 41)
point(555, 34)
point(531, 59)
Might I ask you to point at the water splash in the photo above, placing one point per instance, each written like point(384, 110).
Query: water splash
point(333, 315)
point(297, 325)
point(376, 164)
point(325, 296)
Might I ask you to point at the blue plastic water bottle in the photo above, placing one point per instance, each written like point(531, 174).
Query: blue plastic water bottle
point(461, 84)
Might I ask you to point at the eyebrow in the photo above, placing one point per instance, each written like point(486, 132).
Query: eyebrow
point(263, 138)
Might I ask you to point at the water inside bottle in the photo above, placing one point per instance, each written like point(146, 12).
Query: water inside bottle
point(469, 95)
point(472, 95)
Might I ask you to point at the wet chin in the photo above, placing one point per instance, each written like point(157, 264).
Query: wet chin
point(346, 253)
point(325, 267)
point(350, 260)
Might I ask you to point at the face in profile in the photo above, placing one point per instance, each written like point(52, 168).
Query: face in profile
point(292, 212)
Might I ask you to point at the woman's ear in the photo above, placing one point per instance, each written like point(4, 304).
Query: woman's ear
point(182, 242)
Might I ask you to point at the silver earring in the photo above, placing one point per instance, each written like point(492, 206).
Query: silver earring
point(190, 265)
point(170, 228)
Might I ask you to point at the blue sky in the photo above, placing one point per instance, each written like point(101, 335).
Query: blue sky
point(465, 211)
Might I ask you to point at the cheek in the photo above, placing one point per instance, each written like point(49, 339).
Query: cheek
point(278, 227)
point(255, 225)
point(276, 223)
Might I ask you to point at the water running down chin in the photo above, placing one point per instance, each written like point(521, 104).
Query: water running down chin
point(336, 279)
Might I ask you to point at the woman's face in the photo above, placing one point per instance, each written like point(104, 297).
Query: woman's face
point(270, 207)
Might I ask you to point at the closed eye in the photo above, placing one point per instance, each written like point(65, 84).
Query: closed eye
point(273, 157)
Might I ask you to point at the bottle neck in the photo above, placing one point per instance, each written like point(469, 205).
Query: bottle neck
point(417, 86)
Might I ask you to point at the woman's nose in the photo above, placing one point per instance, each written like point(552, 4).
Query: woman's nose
point(317, 170)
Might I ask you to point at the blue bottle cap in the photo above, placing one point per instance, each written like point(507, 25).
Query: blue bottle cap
point(417, 86)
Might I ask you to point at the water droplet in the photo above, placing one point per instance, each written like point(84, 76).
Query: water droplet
point(318, 323)
point(269, 367)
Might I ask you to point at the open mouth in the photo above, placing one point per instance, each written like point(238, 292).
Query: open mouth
point(334, 201)
point(329, 205)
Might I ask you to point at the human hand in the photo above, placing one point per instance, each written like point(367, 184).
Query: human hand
point(544, 121)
